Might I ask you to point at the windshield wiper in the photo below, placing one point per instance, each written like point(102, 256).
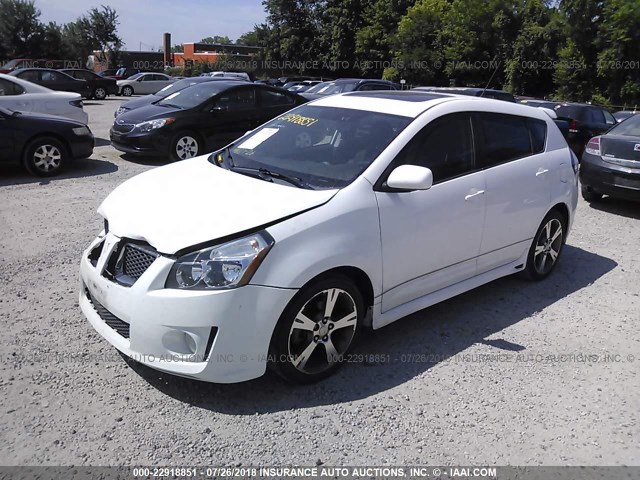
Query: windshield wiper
point(268, 175)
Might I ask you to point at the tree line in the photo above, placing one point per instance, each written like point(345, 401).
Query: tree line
point(583, 50)
point(24, 35)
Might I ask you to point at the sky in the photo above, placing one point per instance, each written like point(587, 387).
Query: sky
point(142, 22)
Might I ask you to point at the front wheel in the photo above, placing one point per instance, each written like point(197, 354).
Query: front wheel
point(184, 145)
point(45, 157)
point(316, 330)
point(127, 91)
point(546, 247)
point(99, 93)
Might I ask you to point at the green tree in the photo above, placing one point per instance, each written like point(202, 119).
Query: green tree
point(21, 32)
point(374, 41)
point(619, 51)
point(575, 76)
point(97, 30)
point(251, 38)
point(216, 39)
point(340, 21)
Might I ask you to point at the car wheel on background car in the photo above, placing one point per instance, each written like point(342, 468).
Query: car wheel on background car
point(127, 91)
point(589, 194)
point(99, 93)
point(546, 247)
point(45, 157)
point(316, 330)
point(185, 145)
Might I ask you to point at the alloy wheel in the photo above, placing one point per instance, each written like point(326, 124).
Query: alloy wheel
point(100, 94)
point(548, 246)
point(322, 331)
point(47, 158)
point(186, 147)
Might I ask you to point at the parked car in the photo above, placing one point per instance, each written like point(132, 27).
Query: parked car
point(304, 86)
point(343, 85)
point(350, 212)
point(624, 114)
point(585, 122)
point(144, 83)
point(471, 91)
point(125, 72)
point(611, 163)
point(165, 92)
point(231, 75)
point(23, 96)
point(199, 118)
point(53, 80)
point(43, 144)
point(110, 72)
point(100, 87)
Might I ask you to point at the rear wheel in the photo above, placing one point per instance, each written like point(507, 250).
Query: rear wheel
point(589, 194)
point(99, 93)
point(546, 247)
point(185, 145)
point(127, 91)
point(45, 157)
point(316, 330)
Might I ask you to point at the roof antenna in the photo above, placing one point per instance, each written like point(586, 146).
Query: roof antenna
point(492, 75)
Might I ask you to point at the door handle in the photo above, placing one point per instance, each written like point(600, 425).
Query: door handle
point(471, 195)
point(541, 171)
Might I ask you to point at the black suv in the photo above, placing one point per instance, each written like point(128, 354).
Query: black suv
point(585, 122)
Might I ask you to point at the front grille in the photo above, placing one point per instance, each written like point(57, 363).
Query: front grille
point(136, 260)
point(122, 128)
point(121, 327)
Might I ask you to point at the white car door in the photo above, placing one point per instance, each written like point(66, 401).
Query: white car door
point(13, 96)
point(511, 151)
point(431, 238)
point(144, 84)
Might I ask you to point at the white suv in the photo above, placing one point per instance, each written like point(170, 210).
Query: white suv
point(349, 212)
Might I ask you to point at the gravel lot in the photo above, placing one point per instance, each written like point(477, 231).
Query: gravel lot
point(491, 377)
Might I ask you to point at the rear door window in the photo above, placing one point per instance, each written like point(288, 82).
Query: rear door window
point(501, 138)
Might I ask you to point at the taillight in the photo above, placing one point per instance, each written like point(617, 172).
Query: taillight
point(593, 147)
point(573, 126)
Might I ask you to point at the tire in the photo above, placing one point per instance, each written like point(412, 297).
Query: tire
point(99, 93)
point(127, 91)
point(45, 157)
point(547, 246)
point(185, 145)
point(589, 194)
point(309, 341)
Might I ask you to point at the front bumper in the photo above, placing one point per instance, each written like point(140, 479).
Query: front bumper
point(149, 143)
point(609, 178)
point(231, 329)
point(82, 146)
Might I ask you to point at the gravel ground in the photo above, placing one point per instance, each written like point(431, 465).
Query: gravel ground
point(510, 373)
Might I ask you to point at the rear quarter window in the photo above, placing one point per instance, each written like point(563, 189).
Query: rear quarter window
point(538, 132)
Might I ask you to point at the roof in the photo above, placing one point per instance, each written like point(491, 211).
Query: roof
point(412, 103)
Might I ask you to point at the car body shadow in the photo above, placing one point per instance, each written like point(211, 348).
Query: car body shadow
point(14, 174)
point(624, 208)
point(101, 142)
point(146, 160)
point(405, 349)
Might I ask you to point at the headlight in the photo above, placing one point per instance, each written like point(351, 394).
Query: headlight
point(153, 124)
point(81, 131)
point(228, 265)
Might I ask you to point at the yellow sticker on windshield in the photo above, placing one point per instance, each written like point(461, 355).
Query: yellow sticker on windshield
point(298, 119)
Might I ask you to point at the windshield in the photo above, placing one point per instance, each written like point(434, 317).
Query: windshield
point(175, 87)
point(338, 88)
point(326, 147)
point(194, 95)
point(318, 87)
point(10, 64)
point(630, 127)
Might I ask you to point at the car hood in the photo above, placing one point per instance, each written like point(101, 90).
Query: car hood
point(147, 112)
point(192, 202)
point(46, 116)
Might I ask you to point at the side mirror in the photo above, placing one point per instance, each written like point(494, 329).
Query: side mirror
point(410, 178)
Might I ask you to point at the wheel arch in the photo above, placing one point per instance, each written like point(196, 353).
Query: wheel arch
point(563, 209)
point(355, 274)
point(40, 135)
